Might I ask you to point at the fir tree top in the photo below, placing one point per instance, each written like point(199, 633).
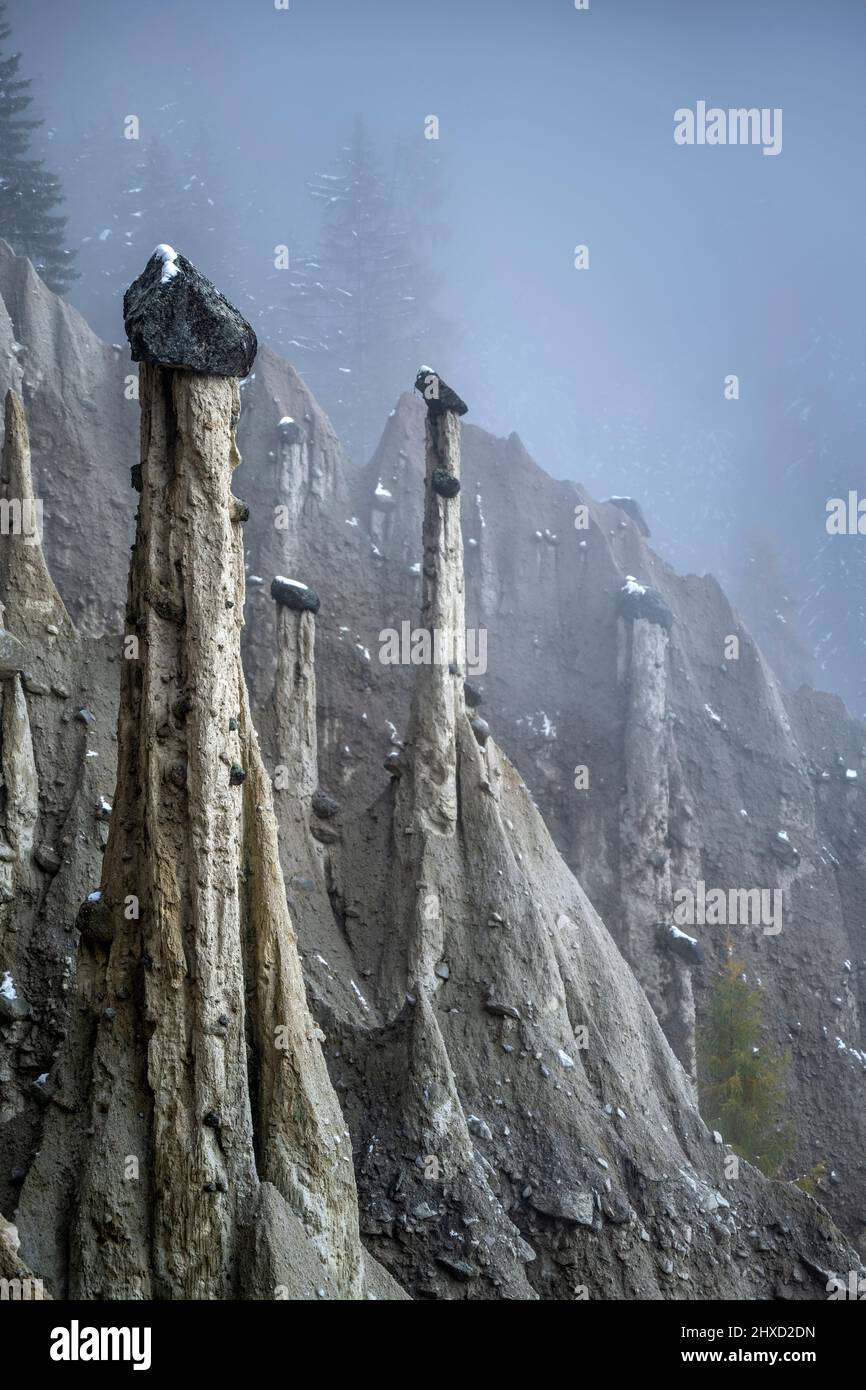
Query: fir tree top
point(29, 194)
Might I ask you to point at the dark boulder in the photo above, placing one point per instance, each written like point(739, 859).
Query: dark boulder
point(290, 593)
point(290, 431)
point(324, 806)
point(640, 601)
point(175, 317)
point(445, 483)
point(94, 920)
point(685, 948)
point(437, 394)
point(481, 729)
point(784, 851)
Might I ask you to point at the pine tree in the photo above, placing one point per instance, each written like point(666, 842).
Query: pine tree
point(741, 1083)
point(167, 189)
point(29, 194)
point(357, 312)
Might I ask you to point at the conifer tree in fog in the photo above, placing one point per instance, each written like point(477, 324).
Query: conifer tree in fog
point(358, 311)
point(29, 194)
point(167, 188)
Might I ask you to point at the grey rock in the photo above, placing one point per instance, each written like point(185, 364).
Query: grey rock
point(13, 1010)
point(290, 431)
point(12, 654)
point(686, 948)
point(33, 686)
point(181, 320)
point(649, 605)
point(481, 730)
point(574, 1205)
point(460, 1269)
point(784, 851)
point(301, 599)
point(480, 1128)
point(438, 395)
point(495, 1006)
point(444, 482)
point(325, 834)
point(324, 805)
point(47, 858)
point(94, 921)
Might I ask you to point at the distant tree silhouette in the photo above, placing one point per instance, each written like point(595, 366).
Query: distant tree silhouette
point(29, 194)
point(358, 311)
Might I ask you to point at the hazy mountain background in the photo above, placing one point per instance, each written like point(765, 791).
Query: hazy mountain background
point(555, 129)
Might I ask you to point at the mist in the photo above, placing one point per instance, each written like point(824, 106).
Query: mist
point(554, 130)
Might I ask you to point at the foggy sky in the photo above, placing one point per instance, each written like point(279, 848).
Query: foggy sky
point(556, 128)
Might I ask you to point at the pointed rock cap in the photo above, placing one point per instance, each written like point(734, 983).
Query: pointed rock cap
point(632, 508)
point(291, 593)
point(437, 393)
point(640, 601)
point(175, 317)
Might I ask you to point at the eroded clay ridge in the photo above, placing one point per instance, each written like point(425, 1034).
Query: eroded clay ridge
point(522, 1126)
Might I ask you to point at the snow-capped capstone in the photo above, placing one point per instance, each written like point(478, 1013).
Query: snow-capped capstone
point(784, 851)
point(175, 317)
point(686, 948)
point(437, 393)
point(632, 509)
point(291, 431)
point(94, 920)
point(291, 593)
point(637, 600)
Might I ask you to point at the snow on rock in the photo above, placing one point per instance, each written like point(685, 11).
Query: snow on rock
point(168, 256)
point(7, 986)
point(361, 1000)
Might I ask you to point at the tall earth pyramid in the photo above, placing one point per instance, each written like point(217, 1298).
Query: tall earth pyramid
point(195, 1147)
